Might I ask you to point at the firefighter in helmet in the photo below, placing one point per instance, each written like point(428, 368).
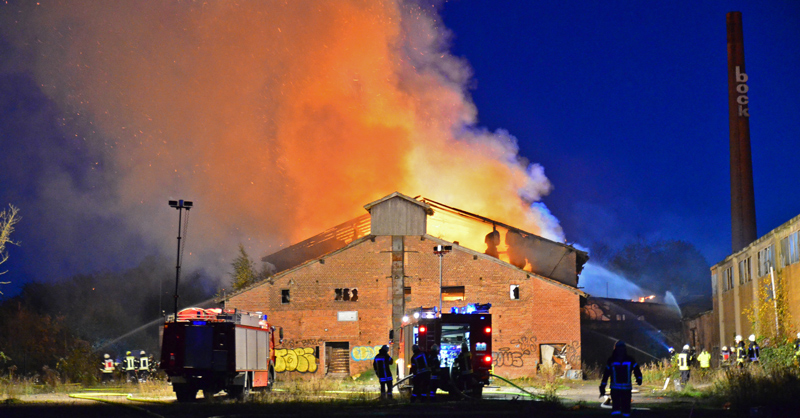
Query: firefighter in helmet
point(144, 367)
point(107, 369)
point(725, 356)
point(684, 360)
point(753, 350)
point(422, 374)
point(619, 368)
point(433, 361)
point(741, 352)
point(130, 366)
point(382, 364)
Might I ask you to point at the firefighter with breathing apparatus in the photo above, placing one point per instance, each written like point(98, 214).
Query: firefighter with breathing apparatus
point(619, 368)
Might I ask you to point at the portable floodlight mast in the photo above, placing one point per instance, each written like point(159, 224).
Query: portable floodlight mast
point(441, 250)
point(180, 205)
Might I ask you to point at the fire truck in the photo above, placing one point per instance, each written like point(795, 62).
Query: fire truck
point(215, 349)
point(470, 325)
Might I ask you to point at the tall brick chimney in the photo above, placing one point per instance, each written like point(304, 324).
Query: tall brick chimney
point(743, 206)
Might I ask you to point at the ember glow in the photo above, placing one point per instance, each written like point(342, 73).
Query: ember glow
point(278, 119)
point(644, 298)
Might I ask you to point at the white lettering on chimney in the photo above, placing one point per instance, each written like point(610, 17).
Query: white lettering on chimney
point(742, 89)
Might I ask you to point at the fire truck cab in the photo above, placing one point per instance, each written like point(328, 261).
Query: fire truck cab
point(215, 349)
point(470, 325)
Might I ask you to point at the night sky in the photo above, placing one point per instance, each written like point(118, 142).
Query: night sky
point(624, 105)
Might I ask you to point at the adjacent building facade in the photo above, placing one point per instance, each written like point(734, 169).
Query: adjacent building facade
point(338, 295)
point(742, 285)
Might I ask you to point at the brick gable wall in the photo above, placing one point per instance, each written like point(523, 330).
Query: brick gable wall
point(545, 314)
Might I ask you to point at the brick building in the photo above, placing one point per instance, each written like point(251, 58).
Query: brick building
point(338, 294)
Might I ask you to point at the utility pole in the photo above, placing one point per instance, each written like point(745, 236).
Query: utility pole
point(180, 205)
point(441, 250)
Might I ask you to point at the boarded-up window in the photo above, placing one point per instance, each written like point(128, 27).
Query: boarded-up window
point(345, 294)
point(452, 293)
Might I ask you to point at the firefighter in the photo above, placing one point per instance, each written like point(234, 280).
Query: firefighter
point(725, 355)
point(153, 366)
point(382, 365)
point(464, 363)
point(741, 352)
point(753, 350)
point(107, 368)
point(684, 359)
point(130, 366)
point(704, 358)
point(619, 368)
point(144, 367)
point(421, 373)
point(434, 363)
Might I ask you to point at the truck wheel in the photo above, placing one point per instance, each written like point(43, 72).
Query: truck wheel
point(185, 393)
point(208, 394)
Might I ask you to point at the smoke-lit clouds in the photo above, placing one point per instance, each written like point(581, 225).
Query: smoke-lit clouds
point(278, 120)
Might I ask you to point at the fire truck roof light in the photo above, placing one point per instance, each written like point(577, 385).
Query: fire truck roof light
point(416, 315)
point(199, 322)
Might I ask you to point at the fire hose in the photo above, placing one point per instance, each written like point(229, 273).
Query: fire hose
point(103, 397)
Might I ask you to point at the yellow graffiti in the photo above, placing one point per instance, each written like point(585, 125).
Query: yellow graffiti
point(364, 352)
point(295, 360)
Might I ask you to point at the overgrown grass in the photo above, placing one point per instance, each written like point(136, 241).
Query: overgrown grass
point(754, 386)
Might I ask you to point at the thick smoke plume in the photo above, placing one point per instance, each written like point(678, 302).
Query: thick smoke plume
point(278, 119)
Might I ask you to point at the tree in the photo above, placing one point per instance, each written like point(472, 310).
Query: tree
point(8, 218)
point(244, 270)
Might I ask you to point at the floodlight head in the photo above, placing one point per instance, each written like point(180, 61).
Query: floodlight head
point(187, 204)
point(173, 203)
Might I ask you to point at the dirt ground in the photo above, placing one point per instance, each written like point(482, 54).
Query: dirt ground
point(581, 399)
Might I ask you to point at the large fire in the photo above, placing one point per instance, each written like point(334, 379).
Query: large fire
point(278, 119)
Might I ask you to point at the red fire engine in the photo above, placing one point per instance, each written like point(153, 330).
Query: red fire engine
point(470, 325)
point(215, 349)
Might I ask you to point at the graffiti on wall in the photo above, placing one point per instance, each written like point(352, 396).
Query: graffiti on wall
point(364, 352)
point(572, 352)
point(300, 360)
point(516, 356)
point(505, 357)
point(308, 342)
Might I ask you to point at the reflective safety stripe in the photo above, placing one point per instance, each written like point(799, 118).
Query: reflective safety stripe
point(421, 362)
point(383, 368)
point(683, 361)
point(143, 364)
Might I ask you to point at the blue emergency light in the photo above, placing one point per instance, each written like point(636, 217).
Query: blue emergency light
point(199, 322)
point(472, 308)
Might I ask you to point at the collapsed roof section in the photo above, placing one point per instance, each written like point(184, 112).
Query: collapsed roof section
point(398, 214)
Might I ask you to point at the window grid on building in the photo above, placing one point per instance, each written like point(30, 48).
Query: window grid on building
point(790, 252)
point(745, 271)
point(727, 279)
point(766, 258)
point(714, 284)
